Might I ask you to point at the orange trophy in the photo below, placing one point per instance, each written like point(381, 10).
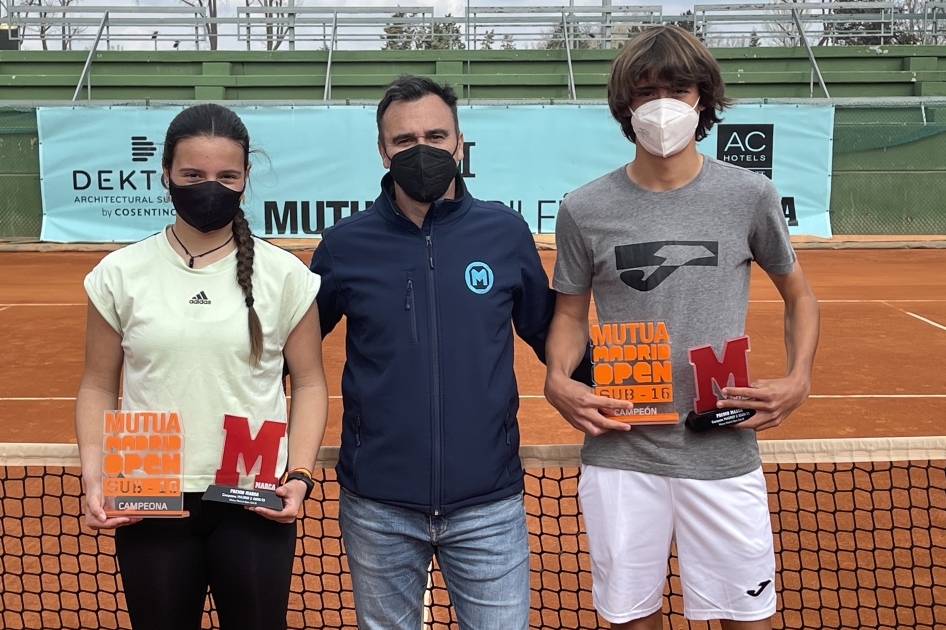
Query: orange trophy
point(632, 363)
point(142, 464)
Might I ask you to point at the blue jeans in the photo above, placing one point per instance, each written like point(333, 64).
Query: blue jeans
point(483, 553)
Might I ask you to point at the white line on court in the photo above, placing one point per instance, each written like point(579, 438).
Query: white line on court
point(854, 301)
point(923, 319)
point(50, 304)
point(877, 396)
point(4, 308)
point(34, 399)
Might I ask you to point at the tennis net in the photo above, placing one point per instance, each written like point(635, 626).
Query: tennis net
point(860, 535)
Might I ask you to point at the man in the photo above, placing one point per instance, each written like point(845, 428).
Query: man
point(432, 281)
point(666, 242)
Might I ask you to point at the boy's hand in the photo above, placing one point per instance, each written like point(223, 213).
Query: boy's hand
point(772, 399)
point(579, 405)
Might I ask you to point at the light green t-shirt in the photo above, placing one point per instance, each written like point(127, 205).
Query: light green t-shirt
point(186, 341)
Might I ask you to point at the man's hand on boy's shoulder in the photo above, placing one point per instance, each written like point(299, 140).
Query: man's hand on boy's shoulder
point(773, 400)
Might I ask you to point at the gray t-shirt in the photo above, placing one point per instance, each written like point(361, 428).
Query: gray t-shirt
point(680, 257)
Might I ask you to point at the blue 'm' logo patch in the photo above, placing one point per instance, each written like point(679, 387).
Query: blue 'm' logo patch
point(479, 277)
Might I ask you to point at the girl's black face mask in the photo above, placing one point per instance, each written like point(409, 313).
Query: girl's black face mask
point(206, 206)
point(424, 172)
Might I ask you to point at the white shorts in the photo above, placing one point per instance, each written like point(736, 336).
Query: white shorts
point(722, 529)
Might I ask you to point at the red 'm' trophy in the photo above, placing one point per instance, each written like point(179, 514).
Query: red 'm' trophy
point(712, 375)
point(241, 447)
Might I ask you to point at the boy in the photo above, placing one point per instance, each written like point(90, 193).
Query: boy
point(669, 239)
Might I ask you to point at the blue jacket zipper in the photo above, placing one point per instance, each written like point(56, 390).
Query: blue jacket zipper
point(435, 376)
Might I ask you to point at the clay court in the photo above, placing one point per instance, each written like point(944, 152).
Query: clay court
point(859, 544)
point(880, 369)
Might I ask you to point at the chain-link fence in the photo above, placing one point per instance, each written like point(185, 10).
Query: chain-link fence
point(889, 173)
point(21, 210)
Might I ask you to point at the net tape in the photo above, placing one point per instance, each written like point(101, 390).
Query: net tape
point(859, 525)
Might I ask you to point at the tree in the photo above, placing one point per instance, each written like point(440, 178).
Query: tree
point(726, 41)
point(211, 27)
point(913, 30)
point(397, 35)
point(440, 35)
point(508, 42)
point(754, 41)
point(784, 33)
point(275, 33)
point(42, 29)
point(686, 23)
point(488, 40)
point(623, 33)
point(861, 32)
point(67, 32)
point(579, 38)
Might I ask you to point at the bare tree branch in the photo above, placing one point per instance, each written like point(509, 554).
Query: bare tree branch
point(67, 32)
point(275, 33)
point(211, 27)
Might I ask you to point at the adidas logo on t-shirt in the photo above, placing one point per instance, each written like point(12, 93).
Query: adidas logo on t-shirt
point(200, 298)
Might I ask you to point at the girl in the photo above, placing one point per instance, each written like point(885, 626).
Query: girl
point(199, 317)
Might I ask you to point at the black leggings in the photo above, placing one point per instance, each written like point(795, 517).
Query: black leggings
point(167, 564)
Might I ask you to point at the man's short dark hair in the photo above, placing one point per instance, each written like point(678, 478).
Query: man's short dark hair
point(411, 88)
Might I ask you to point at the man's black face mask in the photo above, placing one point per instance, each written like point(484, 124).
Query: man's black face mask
point(424, 172)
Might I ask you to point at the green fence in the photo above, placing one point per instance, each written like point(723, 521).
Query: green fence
point(889, 170)
point(21, 209)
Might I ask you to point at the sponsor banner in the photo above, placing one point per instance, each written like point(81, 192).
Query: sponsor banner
point(101, 166)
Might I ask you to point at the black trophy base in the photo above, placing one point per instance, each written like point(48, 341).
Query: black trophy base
point(243, 496)
point(717, 418)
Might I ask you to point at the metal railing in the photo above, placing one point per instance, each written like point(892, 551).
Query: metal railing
point(815, 70)
point(86, 69)
point(606, 26)
point(328, 66)
point(70, 24)
point(828, 23)
point(329, 25)
point(417, 27)
point(935, 22)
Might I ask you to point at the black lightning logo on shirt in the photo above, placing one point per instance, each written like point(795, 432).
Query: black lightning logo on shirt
point(649, 264)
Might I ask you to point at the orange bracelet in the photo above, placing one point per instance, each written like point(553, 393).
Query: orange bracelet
point(304, 471)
